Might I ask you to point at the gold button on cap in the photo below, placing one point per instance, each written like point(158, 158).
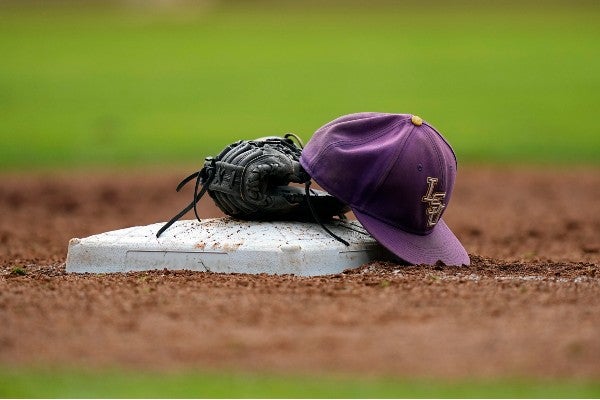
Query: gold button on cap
point(417, 121)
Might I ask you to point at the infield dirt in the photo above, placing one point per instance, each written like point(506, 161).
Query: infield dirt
point(529, 305)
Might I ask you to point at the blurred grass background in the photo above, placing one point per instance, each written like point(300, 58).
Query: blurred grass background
point(168, 82)
point(46, 383)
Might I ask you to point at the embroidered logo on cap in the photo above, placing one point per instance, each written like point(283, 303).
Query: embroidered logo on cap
point(435, 201)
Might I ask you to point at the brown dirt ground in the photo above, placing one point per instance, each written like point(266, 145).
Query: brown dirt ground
point(529, 305)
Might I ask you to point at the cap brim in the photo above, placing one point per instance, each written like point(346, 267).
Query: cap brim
point(440, 245)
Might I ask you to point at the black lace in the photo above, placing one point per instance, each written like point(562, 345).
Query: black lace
point(316, 217)
point(210, 172)
point(307, 194)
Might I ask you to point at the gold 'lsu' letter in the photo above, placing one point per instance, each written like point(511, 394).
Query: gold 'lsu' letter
point(435, 202)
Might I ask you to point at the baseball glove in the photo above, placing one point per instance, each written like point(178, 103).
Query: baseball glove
point(250, 180)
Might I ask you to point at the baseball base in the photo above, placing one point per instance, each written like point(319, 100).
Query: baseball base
point(226, 245)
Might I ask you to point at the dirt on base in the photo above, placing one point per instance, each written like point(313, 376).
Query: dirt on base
point(529, 304)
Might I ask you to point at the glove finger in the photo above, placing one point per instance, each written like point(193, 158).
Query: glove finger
point(223, 205)
point(230, 206)
point(233, 150)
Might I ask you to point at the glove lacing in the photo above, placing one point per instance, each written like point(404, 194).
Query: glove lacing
point(210, 172)
point(316, 217)
point(307, 194)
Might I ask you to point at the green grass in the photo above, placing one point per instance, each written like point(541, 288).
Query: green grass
point(81, 86)
point(46, 383)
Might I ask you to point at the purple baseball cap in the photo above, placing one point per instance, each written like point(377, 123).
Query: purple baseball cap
point(396, 172)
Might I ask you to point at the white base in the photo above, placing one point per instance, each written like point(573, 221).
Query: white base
point(228, 246)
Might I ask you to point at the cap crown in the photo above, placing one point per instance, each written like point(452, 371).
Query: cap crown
point(393, 167)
